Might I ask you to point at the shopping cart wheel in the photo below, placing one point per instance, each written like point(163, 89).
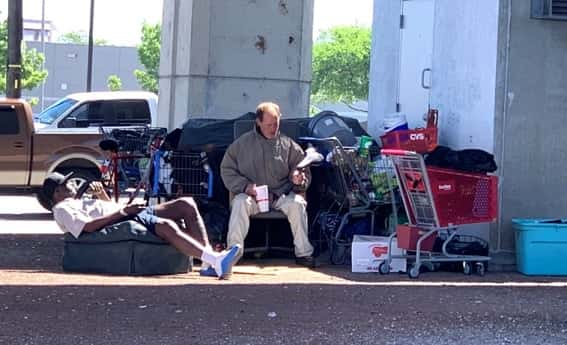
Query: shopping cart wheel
point(413, 272)
point(467, 268)
point(384, 268)
point(430, 266)
point(480, 269)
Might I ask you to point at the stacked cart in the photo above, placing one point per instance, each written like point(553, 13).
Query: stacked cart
point(141, 160)
point(129, 152)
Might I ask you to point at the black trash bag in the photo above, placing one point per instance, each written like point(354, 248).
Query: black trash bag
point(216, 217)
point(461, 245)
point(469, 160)
point(171, 140)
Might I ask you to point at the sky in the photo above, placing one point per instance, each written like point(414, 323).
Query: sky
point(119, 21)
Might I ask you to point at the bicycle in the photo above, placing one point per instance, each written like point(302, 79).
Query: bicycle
point(131, 152)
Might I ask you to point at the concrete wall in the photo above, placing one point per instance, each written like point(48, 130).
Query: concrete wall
point(532, 98)
point(221, 58)
point(463, 69)
point(464, 72)
point(67, 67)
point(384, 63)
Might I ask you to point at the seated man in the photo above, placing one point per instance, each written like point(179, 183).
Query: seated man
point(264, 156)
point(89, 215)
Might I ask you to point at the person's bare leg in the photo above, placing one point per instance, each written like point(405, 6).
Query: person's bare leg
point(222, 262)
point(170, 232)
point(186, 209)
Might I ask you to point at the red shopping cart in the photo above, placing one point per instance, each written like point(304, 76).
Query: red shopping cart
point(439, 200)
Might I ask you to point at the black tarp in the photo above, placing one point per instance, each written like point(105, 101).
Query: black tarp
point(210, 134)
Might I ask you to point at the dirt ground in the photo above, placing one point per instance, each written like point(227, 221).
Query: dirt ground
point(269, 301)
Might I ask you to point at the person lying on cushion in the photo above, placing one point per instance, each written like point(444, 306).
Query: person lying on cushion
point(89, 215)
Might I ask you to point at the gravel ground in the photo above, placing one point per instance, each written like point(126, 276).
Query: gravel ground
point(269, 302)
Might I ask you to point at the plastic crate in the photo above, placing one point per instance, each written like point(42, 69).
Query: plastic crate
point(541, 246)
point(408, 236)
point(419, 140)
point(463, 198)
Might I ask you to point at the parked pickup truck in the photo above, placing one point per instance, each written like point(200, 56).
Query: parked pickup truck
point(90, 110)
point(28, 155)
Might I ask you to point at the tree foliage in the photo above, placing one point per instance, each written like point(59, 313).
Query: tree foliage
point(148, 53)
point(341, 63)
point(32, 61)
point(80, 37)
point(114, 83)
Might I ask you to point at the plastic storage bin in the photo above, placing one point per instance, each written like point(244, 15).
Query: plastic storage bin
point(541, 246)
point(419, 140)
point(408, 236)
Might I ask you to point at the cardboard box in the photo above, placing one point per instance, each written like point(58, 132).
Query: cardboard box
point(368, 252)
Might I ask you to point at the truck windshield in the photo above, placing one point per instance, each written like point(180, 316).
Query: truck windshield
point(55, 110)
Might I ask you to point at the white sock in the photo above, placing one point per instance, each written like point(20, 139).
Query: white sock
point(209, 256)
point(206, 265)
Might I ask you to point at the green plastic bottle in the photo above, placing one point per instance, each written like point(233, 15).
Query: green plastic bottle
point(365, 143)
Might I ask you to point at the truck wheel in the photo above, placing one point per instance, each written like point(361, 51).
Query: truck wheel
point(80, 177)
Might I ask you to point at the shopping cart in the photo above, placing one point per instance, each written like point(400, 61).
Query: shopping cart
point(351, 196)
point(175, 174)
point(438, 200)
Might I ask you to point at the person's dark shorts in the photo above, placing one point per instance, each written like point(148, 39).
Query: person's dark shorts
point(148, 219)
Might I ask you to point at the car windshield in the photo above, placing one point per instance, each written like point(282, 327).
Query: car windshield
point(55, 110)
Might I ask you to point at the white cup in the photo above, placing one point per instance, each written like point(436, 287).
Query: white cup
point(262, 198)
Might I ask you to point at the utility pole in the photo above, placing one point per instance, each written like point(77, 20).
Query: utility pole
point(90, 55)
point(14, 70)
point(43, 52)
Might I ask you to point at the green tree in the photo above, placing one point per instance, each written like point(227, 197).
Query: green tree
point(114, 83)
point(80, 37)
point(341, 63)
point(148, 53)
point(32, 61)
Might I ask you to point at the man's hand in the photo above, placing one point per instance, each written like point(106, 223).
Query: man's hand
point(298, 178)
point(250, 189)
point(133, 209)
point(97, 190)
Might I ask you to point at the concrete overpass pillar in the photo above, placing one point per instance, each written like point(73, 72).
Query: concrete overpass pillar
point(220, 58)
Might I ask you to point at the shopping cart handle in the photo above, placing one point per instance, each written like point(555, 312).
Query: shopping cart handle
point(395, 152)
point(335, 139)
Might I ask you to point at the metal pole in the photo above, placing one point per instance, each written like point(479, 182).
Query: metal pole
point(43, 52)
point(14, 70)
point(90, 54)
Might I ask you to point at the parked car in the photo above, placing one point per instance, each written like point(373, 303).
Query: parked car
point(95, 109)
point(27, 155)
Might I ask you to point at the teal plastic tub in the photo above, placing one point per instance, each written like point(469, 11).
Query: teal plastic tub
point(541, 246)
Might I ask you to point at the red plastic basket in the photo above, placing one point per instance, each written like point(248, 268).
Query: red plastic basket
point(463, 198)
point(420, 140)
point(408, 235)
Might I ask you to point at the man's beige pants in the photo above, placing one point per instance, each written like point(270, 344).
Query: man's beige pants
point(292, 205)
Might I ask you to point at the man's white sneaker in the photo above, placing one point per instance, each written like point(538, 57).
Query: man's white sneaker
point(226, 260)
